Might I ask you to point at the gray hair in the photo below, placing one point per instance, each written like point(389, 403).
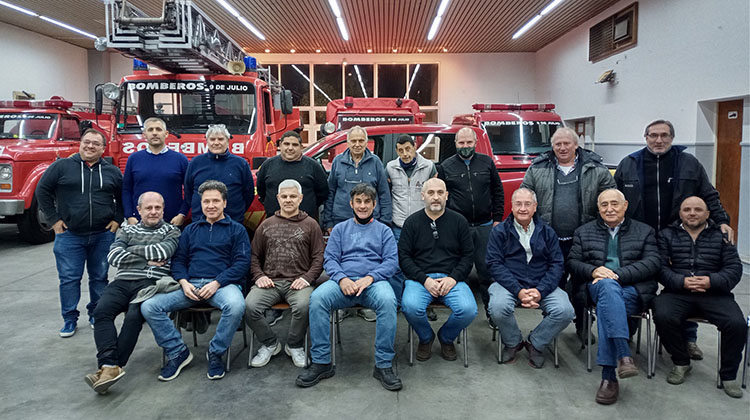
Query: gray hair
point(355, 129)
point(653, 123)
point(290, 183)
point(565, 131)
point(620, 195)
point(214, 185)
point(155, 120)
point(143, 197)
point(524, 189)
point(431, 181)
point(217, 129)
point(467, 130)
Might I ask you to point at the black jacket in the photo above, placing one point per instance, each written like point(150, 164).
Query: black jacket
point(688, 178)
point(639, 255)
point(710, 255)
point(85, 197)
point(475, 191)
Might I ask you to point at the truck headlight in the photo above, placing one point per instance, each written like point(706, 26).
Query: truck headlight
point(6, 177)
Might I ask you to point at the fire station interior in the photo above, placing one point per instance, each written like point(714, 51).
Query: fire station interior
point(609, 67)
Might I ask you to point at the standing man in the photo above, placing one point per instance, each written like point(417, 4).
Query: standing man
point(407, 175)
point(156, 168)
point(618, 260)
point(290, 164)
point(142, 254)
point(699, 269)
point(567, 180)
point(525, 262)
point(287, 260)
point(81, 197)
point(221, 165)
point(210, 264)
point(436, 255)
point(476, 192)
point(360, 257)
point(656, 179)
point(354, 166)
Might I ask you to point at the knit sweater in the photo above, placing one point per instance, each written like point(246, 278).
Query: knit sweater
point(306, 171)
point(356, 250)
point(232, 170)
point(136, 245)
point(288, 248)
point(163, 172)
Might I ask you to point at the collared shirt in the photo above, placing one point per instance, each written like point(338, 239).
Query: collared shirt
point(165, 149)
point(613, 230)
point(524, 236)
point(568, 169)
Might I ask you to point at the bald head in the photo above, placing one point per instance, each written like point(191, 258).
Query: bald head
point(612, 206)
point(694, 213)
point(151, 208)
point(434, 195)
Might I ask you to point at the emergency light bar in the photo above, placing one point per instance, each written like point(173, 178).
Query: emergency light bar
point(513, 107)
point(54, 102)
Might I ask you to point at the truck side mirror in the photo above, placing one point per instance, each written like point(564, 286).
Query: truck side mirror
point(286, 102)
point(98, 99)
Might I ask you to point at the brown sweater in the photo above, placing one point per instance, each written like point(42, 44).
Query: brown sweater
point(285, 249)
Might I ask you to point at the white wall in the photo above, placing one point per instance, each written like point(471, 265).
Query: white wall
point(42, 65)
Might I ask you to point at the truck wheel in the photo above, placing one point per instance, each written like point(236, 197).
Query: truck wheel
point(34, 229)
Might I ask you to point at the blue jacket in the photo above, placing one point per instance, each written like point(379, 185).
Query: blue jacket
point(355, 250)
point(506, 258)
point(220, 251)
point(344, 176)
point(231, 170)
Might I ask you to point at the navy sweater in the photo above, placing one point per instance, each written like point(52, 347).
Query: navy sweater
point(231, 170)
point(163, 173)
point(219, 251)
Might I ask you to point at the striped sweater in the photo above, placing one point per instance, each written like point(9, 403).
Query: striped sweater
point(136, 245)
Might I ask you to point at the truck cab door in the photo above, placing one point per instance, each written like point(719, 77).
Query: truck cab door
point(68, 136)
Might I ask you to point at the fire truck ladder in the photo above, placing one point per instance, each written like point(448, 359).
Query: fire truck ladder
point(182, 40)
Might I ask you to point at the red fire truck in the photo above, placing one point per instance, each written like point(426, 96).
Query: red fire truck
point(33, 134)
point(342, 114)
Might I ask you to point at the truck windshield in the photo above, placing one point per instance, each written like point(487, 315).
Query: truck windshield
point(189, 106)
point(27, 126)
point(520, 137)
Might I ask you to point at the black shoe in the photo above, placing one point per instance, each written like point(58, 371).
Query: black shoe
point(431, 315)
point(387, 378)
point(491, 323)
point(312, 374)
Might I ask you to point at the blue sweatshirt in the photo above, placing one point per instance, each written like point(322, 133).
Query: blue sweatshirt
point(163, 172)
point(219, 251)
point(231, 170)
point(356, 250)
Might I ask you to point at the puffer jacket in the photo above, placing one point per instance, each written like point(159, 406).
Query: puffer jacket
point(406, 192)
point(710, 255)
point(638, 254)
point(475, 190)
point(595, 178)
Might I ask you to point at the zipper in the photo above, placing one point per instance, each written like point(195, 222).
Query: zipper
point(471, 190)
point(91, 205)
point(658, 195)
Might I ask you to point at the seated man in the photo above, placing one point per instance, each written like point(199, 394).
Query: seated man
point(361, 257)
point(287, 259)
point(436, 254)
point(617, 259)
point(141, 253)
point(210, 264)
point(699, 269)
point(525, 264)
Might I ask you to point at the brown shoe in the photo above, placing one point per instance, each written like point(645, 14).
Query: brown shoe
point(448, 351)
point(626, 368)
point(607, 392)
point(108, 377)
point(91, 378)
point(424, 350)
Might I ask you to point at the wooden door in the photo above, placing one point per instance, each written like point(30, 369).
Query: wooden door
point(728, 157)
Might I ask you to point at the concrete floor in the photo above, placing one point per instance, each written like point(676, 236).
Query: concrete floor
point(42, 374)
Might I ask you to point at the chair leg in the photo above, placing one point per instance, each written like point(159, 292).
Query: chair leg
point(747, 361)
point(229, 356)
point(638, 337)
point(195, 333)
point(719, 384)
point(587, 321)
point(655, 350)
point(648, 344)
point(411, 346)
point(494, 334)
point(307, 348)
point(334, 330)
point(338, 328)
point(466, 349)
point(244, 333)
point(250, 351)
point(499, 348)
point(557, 360)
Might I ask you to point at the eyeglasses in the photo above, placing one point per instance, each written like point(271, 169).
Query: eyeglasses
point(92, 143)
point(435, 234)
point(654, 136)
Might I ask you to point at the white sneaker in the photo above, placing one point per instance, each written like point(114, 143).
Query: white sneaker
point(298, 355)
point(264, 355)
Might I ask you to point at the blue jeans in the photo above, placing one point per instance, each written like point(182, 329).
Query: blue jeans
point(459, 299)
point(228, 298)
point(328, 297)
point(556, 310)
point(397, 281)
point(72, 253)
point(614, 304)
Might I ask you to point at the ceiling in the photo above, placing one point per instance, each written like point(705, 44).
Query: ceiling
point(468, 26)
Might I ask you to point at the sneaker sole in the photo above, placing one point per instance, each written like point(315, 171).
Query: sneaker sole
point(103, 387)
point(324, 375)
point(395, 387)
point(265, 362)
point(90, 380)
point(628, 374)
point(288, 353)
point(179, 369)
point(214, 377)
point(68, 334)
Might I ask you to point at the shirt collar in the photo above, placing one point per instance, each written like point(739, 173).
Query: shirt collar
point(520, 228)
point(164, 150)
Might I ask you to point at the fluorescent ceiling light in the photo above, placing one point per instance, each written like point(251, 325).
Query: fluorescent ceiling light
point(229, 8)
point(342, 28)
point(536, 18)
point(335, 8)
point(359, 77)
point(20, 9)
point(339, 19)
point(436, 21)
point(68, 27)
point(294, 66)
point(413, 76)
point(443, 6)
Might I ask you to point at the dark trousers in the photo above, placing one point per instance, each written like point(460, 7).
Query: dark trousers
point(577, 295)
point(671, 310)
point(480, 235)
point(113, 349)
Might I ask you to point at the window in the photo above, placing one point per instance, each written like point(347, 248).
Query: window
point(423, 86)
point(325, 157)
point(358, 80)
point(327, 83)
point(520, 137)
point(296, 77)
point(435, 147)
point(391, 80)
point(614, 34)
point(70, 130)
